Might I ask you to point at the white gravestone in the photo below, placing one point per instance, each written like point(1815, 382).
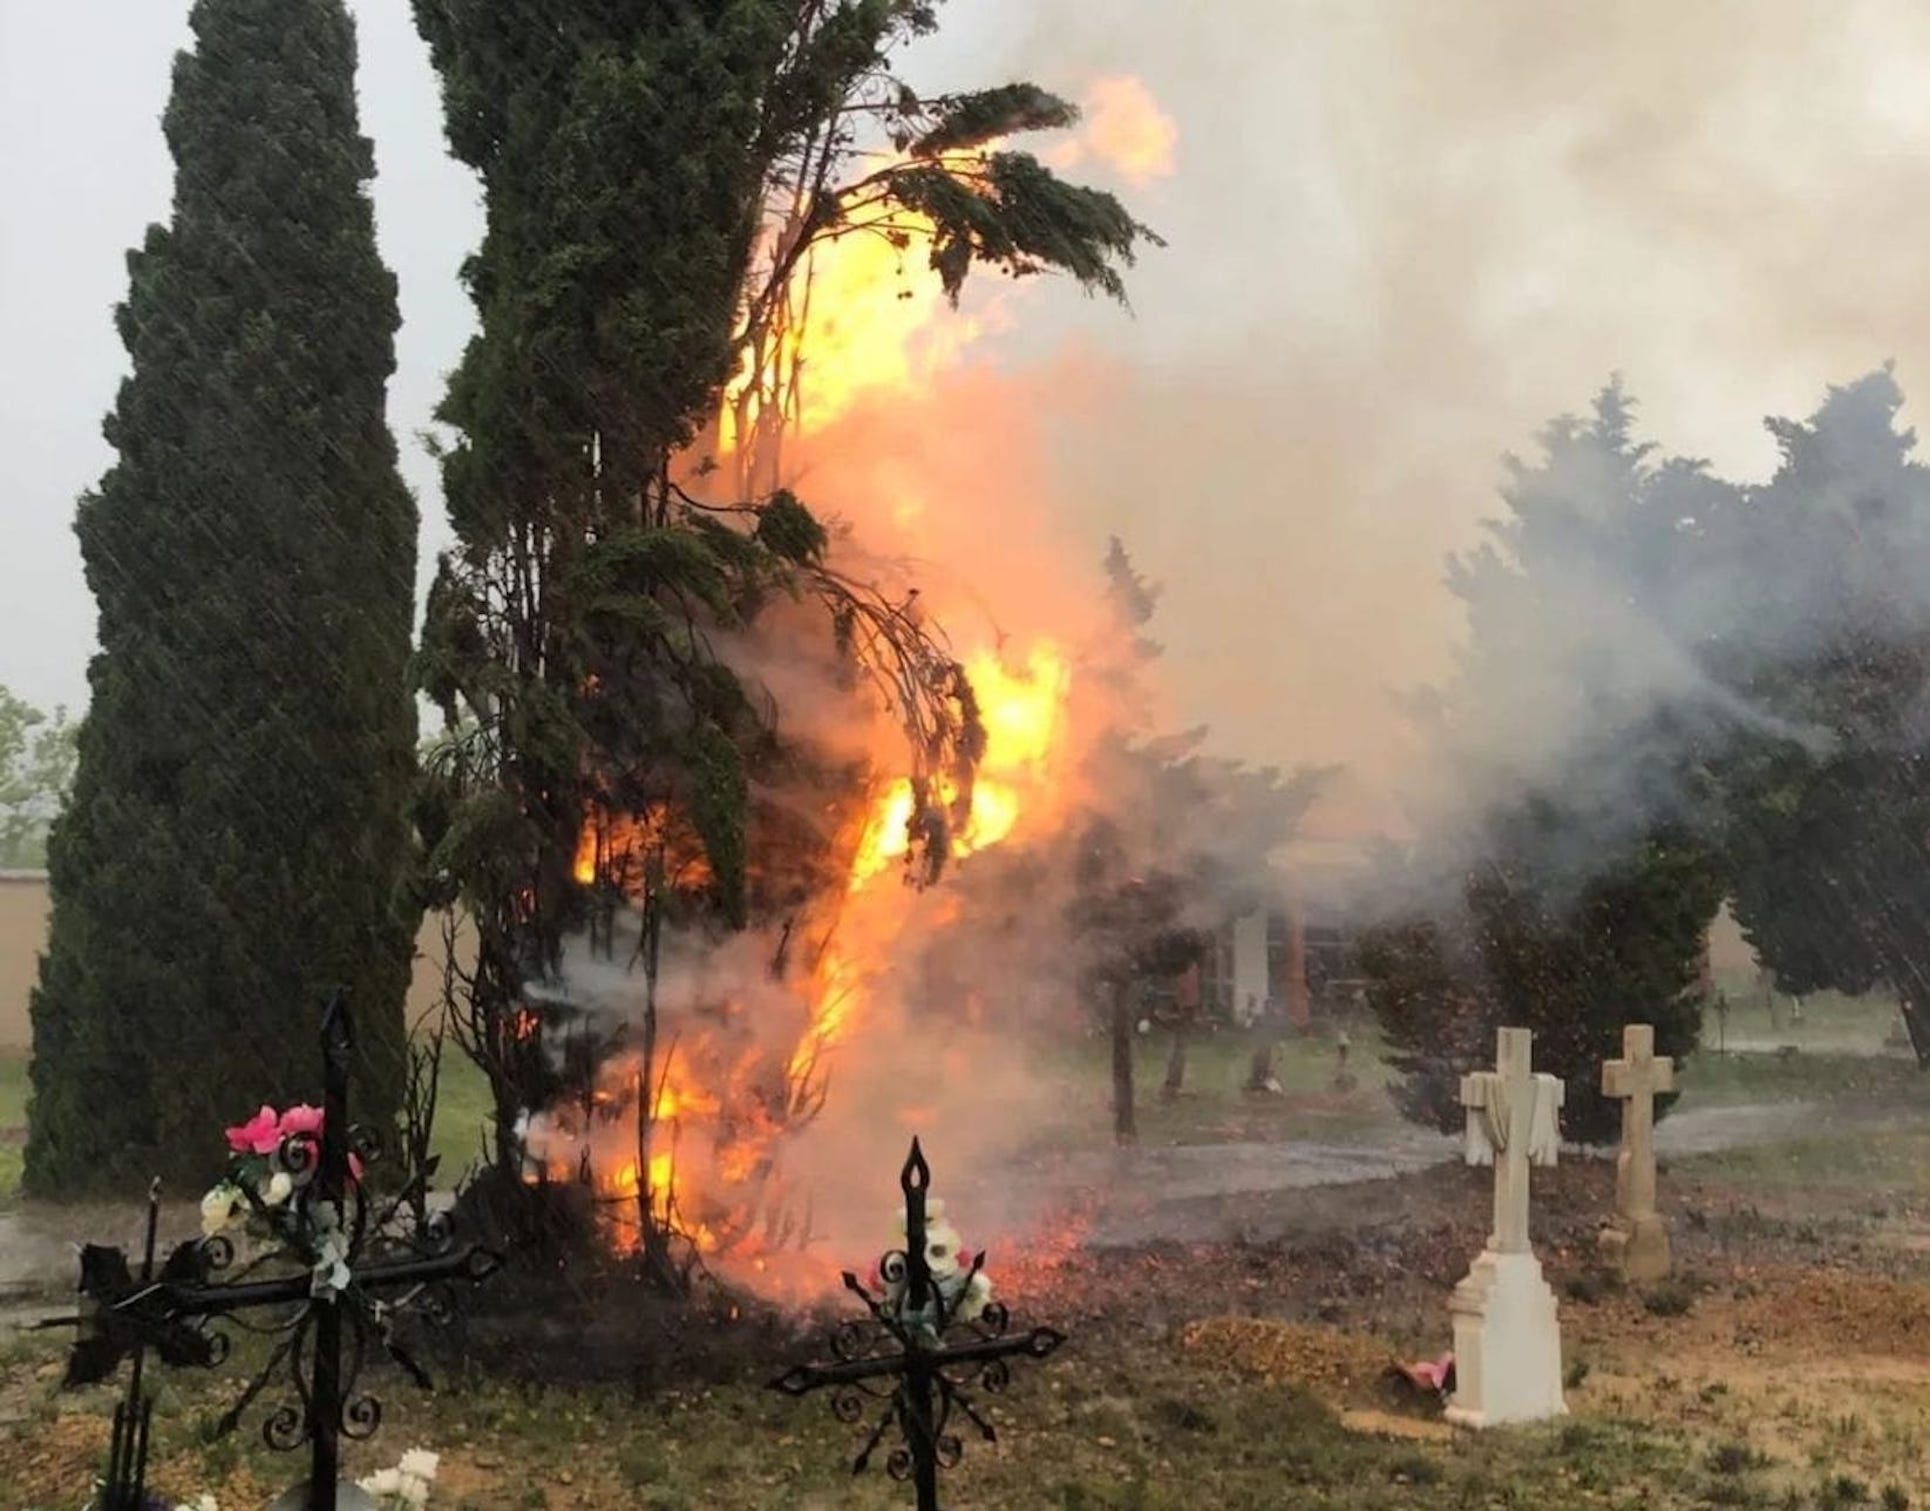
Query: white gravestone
point(1636, 1241)
point(1507, 1340)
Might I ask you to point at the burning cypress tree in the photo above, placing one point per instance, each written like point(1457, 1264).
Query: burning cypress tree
point(655, 180)
point(238, 825)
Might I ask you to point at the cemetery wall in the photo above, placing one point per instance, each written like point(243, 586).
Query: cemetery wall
point(23, 934)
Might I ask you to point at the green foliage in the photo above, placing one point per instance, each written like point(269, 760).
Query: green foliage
point(1573, 967)
point(1010, 211)
point(1586, 883)
point(719, 801)
point(966, 122)
point(1830, 803)
point(37, 757)
point(237, 834)
point(789, 530)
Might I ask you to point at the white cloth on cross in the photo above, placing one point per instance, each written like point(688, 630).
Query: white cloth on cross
point(1487, 1125)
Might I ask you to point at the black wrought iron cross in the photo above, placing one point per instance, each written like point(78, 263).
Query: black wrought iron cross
point(324, 1330)
point(905, 1354)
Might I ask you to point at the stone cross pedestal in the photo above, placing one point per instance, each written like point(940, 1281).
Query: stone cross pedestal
point(1507, 1341)
point(1636, 1242)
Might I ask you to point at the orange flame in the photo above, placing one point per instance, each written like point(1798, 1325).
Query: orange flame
point(1126, 130)
point(867, 322)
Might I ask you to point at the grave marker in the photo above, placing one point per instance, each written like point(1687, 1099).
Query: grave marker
point(1507, 1340)
point(1636, 1241)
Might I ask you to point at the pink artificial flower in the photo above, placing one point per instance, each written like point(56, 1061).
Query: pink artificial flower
point(259, 1135)
point(1430, 1374)
point(301, 1119)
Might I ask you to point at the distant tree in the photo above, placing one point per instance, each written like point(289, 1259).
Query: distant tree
point(1584, 882)
point(36, 774)
point(237, 836)
point(1532, 952)
point(1829, 797)
point(1175, 843)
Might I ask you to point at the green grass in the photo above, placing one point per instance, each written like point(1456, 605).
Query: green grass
point(1214, 1106)
point(1136, 1428)
point(1718, 1080)
point(1830, 1022)
point(462, 1116)
point(1893, 1164)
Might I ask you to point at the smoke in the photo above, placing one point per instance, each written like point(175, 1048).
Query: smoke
point(1403, 236)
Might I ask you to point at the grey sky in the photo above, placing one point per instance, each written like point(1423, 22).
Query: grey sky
point(1403, 235)
point(82, 87)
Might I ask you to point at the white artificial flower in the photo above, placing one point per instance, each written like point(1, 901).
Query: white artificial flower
point(331, 1264)
point(415, 1492)
point(941, 1249)
point(202, 1502)
point(383, 1482)
point(218, 1208)
point(978, 1295)
point(279, 1189)
point(421, 1463)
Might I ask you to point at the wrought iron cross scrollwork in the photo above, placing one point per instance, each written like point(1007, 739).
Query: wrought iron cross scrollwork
point(323, 1333)
point(917, 1352)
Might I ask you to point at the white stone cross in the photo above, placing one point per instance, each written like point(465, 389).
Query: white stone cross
point(1512, 1114)
point(1636, 1240)
point(1507, 1334)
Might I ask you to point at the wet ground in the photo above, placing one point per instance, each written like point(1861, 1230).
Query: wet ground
point(1223, 1301)
point(1184, 1193)
point(1147, 1194)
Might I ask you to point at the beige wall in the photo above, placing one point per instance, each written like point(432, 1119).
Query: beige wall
point(23, 933)
point(23, 930)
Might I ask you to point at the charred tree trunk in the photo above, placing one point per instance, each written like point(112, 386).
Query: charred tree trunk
point(1299, 999)
point(1175, 1080)
point(659, 1268)
point(1916, 1023)
point(1187, 998)
point(1124, 1130)
point(1913, 1001)
point(1259, 1075)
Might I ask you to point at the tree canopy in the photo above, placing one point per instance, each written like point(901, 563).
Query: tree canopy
point(36, 773)
point(1568, 887)
point(1828, 826)
point(1677, 689)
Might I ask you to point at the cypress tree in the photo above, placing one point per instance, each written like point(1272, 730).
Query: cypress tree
point(238, 828)
point(1828, 808)
point(1572, 893)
